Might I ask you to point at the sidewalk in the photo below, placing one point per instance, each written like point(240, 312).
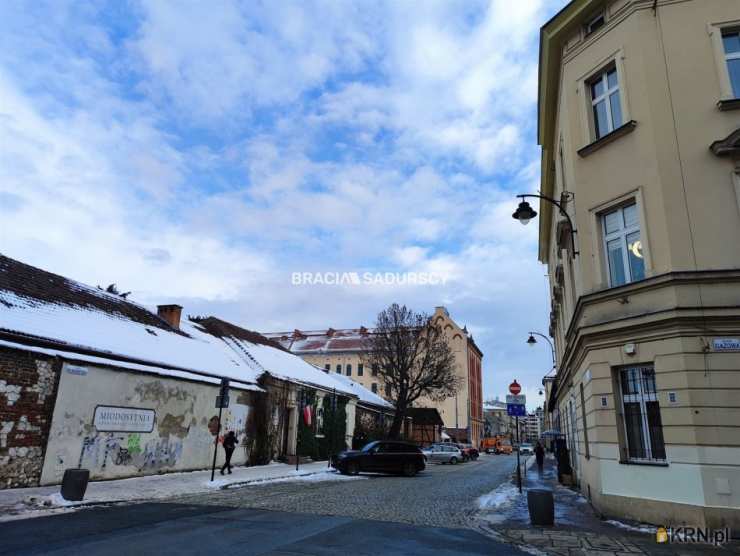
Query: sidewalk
point(20, 503)
point(578, 529)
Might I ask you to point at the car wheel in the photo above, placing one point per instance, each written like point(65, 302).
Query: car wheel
point(409, 469)
point(353, 468)
point(475, 456)
point(453, 460)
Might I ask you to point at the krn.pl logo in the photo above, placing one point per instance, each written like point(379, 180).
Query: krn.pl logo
point(661, 535)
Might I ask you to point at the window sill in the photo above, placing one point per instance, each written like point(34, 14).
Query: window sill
point(729, 104)
point(655, 463)
point(608, 138)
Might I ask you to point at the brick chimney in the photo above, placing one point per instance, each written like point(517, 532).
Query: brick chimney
point(171, 314)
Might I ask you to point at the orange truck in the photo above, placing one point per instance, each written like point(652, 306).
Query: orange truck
point(496, 445)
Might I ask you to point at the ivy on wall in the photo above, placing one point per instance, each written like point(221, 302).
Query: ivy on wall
point(320, 444)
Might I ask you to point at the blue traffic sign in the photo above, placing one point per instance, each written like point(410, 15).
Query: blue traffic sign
point(516, 410)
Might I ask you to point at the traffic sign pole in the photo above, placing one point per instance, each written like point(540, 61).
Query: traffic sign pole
point(221, 400)
point(518, 464)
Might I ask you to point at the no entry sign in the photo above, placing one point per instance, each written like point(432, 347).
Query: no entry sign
point(515, 388)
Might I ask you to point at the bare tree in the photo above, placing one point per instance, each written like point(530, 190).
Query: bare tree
point(412, 357)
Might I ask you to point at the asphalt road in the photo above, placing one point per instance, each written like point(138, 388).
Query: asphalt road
point(427, 514)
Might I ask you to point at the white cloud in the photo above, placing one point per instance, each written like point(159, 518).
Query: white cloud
point(202, 155)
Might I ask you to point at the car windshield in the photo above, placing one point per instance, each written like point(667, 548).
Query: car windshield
point(370, 446)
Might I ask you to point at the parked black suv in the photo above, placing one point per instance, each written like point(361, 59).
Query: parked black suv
point(384, 456)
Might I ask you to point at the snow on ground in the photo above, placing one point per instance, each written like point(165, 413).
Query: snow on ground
point(638, 528)
point(322, 476)
point(32, 502)
point(503, 494)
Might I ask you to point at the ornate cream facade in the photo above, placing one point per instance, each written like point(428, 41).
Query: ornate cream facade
point(640, 143)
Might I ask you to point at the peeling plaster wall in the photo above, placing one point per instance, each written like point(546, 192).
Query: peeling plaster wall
point(181, 439)
point(27, 387)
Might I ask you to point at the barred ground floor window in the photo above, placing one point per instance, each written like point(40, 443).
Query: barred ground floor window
point(641, 414)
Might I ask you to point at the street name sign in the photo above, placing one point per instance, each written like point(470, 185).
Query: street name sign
point(519, 399)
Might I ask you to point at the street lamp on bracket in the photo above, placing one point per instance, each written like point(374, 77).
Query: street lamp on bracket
point(531, 341)
point(524, 212)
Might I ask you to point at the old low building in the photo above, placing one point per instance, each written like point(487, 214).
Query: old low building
point(89, 379)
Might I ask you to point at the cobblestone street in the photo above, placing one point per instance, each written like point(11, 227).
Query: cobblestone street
point(442, 495)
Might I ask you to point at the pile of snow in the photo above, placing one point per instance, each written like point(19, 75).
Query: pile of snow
point(639, 528)
point(505, 493)
point(329, 475)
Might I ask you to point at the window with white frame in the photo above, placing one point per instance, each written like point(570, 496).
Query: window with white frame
point(731, 43)
point(605, 102)
point(622, 245)
point(349, 370)
point(641, 411)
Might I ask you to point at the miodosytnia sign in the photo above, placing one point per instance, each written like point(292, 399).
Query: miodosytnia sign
point(123, 419)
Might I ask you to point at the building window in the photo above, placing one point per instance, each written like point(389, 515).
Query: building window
point(642, 424)
point(731, 43)
point(374, 387)
point(359, 369)
point(623, 246)
point(387, 390)
point(339, 369)
point(349, 370)
point(594, 24)
point(605, 103)
point(327, 367)
point(375, 370)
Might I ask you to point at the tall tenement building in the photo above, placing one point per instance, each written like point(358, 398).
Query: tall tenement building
point(639, 123)
point(339, 351)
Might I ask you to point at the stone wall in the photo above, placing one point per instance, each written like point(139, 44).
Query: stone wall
point(28, 384)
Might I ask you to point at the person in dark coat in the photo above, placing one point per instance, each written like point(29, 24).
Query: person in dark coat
point(229, 447)
point(539, 454)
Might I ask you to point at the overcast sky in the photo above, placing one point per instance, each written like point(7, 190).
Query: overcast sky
point(203, 152)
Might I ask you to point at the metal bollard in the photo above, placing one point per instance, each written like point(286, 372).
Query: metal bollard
point(74, 484)
point(541, 506)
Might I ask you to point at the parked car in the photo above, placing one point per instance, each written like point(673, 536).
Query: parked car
point(526, 449)
point(469, 452)
point(383, 456)
point(443, 453)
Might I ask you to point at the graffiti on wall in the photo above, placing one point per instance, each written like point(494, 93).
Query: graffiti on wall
point(101, 450)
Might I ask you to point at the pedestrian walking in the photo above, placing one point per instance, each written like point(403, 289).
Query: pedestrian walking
point(539, 454)
point(229, 447)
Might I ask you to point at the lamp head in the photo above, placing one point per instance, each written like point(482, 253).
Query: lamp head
point(531, 340)
point(524, 213)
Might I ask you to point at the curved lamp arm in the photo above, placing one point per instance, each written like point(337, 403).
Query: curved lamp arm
point(562, 211)
point(552, 347)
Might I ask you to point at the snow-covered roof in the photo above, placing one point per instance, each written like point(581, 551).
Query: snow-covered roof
point(361, 392)
point(43, 311)
point(265, 355)
point(42, 308)
point(322, 341)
